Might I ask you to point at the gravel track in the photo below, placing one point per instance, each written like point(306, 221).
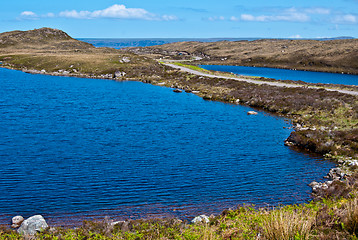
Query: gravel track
point(276, 84)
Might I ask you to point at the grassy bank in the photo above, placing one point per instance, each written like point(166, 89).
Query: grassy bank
point(325, 219)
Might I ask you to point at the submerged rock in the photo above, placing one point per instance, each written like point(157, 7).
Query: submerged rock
point(252, 113)
point(33, 225)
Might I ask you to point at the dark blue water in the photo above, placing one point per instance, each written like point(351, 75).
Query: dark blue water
point(284, 74)
point(90, 147)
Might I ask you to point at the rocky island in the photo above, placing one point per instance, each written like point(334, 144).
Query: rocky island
point(324, 117)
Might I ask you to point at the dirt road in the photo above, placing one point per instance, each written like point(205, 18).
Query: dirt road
point(276, 84)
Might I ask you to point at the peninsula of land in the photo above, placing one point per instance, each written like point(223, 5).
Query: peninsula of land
point(324, 117)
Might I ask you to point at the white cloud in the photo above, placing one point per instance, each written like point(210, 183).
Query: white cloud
point(346, 19)
point(247, 17)
point(221, 18)
point(296, 36)
point(318, 10)
point(28, 15)
point(233, 18)
point(49, 15)
point(284, 15)
point(169, 18)
point(290, 15)
point(116, 11)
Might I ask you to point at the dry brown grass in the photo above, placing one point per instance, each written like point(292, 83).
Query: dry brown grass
point(288, 225)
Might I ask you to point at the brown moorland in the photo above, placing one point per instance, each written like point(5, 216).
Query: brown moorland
point(311, 55)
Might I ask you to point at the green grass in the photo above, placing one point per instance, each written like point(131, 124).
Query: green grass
point(192, 67)
point(315, 220)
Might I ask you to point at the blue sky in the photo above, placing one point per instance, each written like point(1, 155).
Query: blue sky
point(185, 18)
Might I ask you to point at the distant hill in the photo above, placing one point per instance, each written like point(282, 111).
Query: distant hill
point(41, 38)
point(313, 55)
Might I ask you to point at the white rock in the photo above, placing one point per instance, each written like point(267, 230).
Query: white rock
point(33, 225)
point(200, 219)
point(252, 113)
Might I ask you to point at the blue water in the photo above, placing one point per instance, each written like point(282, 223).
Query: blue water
point(284, 74)
point(146, 42)
point(90, 147)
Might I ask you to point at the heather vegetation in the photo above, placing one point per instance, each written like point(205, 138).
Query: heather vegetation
point(325, 122)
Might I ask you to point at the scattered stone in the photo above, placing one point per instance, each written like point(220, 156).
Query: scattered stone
point(200, 219)
point(106, 76)
point(352, 163)
point(177, 91)
point(118, 222)
point(119, 74)
point(237, 101)
point(33, 225)
point(335, 174)
point(123, 225)
point(16, 221)
point(125, 60)
point(252, 113)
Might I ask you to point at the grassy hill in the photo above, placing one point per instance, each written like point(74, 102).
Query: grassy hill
point(43, 38)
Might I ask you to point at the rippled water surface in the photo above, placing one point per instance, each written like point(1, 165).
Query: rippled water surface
point(285, 74)
point(88, 147)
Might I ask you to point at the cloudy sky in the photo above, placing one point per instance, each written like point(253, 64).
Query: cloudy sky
point(185, 18)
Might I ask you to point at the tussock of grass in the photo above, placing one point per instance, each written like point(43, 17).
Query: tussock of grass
point(287, 225)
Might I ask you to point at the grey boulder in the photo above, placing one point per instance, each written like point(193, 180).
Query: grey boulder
point(33, 225)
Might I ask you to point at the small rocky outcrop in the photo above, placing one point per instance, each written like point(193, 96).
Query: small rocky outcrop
point(16, 221)
point(33, 225)
point(335, 174)
point(200, 219)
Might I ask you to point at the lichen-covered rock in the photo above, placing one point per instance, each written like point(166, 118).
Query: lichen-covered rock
point(33, 225)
